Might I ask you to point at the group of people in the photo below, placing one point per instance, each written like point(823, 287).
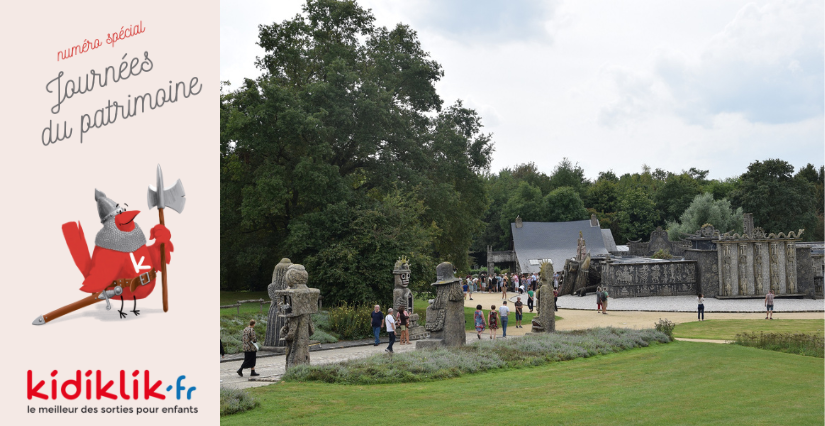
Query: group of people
point(496, 317)
point(393, 321)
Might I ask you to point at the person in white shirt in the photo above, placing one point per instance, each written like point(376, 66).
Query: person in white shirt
point(390, 322)
point(504, 311)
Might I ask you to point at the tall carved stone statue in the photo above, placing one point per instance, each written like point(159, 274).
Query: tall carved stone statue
point(297, 303)
point(790, 267)
point(445, 315)
point(743, 269)
point(757, 268)
point(275, 322)
point(581, 248)
point(401, 294)
point(545, 319)
point(774, 256)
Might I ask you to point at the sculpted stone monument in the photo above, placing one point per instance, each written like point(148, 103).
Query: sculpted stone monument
point(297, 303)
point(545, 319)
point(402, 296)
point(445, 315)
point(275, 321)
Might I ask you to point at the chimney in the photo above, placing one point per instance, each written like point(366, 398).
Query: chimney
point(518, 222)
point(594, 221)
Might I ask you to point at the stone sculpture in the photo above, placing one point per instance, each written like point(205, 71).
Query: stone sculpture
point(275, 321)
point(545, 319)
point(445, 315)
point(581, 248)
point(402, 296)
point(297, 303)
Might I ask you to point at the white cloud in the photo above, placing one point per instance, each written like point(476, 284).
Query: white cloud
point(766, 64)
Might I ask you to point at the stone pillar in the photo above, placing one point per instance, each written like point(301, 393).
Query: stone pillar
point(545, 319)
point(274, 321)
point(297, 303)
point(445, 315)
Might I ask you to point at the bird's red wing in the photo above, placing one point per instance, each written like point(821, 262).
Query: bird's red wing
point(76, 241)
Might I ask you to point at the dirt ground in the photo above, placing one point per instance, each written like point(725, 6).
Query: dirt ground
point(580, 319)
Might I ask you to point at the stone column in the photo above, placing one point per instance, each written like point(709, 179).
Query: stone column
point(274, 321)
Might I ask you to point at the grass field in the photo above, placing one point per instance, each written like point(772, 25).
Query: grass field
point(230, 297)
point(727, 329)
point(678, 383)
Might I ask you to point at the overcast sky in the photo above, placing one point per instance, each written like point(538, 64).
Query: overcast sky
point(611, 85)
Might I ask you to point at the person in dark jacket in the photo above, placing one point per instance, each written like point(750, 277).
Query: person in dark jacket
point(377, 323)
point(250, 351)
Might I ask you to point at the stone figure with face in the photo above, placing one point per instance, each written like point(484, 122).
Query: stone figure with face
point(401, 294)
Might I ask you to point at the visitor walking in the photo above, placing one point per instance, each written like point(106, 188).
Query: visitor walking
point(769, 305)
point(556, 300)
point(404, 325)
point(598, 299)
point(377, 323)
point(479, 320)
point(390, 323)
point(250, 349)
point(493, 321)
point(604, 300)
point(530, 294)
point(518, 312)
point(701, 312)
point(473, 285)
point(504, 312)
point(504, 288)
point(466, 286)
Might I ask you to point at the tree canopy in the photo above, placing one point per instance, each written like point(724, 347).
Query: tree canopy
point(341, 156)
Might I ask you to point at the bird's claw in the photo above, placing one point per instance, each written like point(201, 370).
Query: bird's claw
point(122, 314)
point(136, 312)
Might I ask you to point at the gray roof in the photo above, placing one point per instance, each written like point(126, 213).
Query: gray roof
point(609, 243)
point(556, 241)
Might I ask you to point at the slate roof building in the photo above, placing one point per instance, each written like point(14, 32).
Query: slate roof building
point(556, 241)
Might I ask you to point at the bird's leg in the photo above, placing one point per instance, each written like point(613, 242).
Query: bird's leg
point(122, 314)
point(135, 309)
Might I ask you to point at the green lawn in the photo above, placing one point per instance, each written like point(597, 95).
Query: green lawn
point(678, 383)
point(230, 297)
point(727, 329)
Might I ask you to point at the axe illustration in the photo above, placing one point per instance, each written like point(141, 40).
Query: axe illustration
point(175, 198)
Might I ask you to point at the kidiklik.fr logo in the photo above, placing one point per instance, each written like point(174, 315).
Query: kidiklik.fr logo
point(95, 386)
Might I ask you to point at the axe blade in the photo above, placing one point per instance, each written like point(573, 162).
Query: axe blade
point(173, 197)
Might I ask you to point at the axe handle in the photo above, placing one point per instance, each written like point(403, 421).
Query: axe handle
point(82, 303)
point(163, 268)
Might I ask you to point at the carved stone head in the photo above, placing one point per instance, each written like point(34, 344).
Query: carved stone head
point(401, 271)
point(296, 276)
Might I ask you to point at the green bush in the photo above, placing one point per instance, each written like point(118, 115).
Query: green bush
point(351, 322)
point(323, 337)
point(662, 254)
point(795, 343)
point(481, 356)
point(666, 326)
point(232, 331)
point(236, 401)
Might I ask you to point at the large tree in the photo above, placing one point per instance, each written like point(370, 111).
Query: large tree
point(341, 156)
point(779, 201)
point(705, 210)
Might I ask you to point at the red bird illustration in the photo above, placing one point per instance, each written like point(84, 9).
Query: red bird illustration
point(121, 257)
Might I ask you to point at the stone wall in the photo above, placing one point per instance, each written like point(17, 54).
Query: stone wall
point(650, 278)
point(707, 271)
point(804, 272)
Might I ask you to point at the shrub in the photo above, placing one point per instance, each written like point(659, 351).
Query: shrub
point(482, 356)
point(236, 401)
point(795, 343)
point(662, 254)
point(351, 321)
point(232, 331)
point(323, 337)
point(666, 326)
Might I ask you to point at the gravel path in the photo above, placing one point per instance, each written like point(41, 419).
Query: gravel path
point(688, 304)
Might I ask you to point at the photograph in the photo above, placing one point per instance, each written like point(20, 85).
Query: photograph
point(422, 205)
